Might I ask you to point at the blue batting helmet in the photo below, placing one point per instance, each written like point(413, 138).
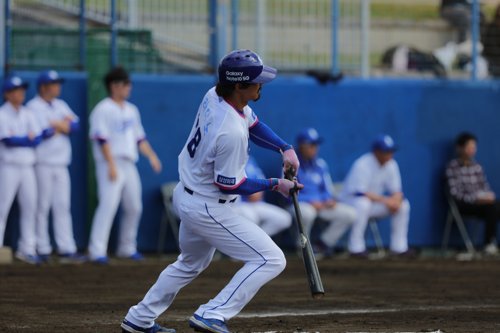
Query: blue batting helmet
point(244, 66)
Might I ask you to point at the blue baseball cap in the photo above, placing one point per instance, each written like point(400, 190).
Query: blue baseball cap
point(13, 82)
point(49, 76)
point(309, 135)
point(384, 143)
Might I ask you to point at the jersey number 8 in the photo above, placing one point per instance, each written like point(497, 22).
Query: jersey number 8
point(194, 142)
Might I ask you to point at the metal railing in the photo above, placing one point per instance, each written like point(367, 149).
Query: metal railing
point(352, 36)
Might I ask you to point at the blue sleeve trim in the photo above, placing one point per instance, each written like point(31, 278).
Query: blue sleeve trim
point(263, 136)
point(250, 186)
point(48, 132)
point(22, 141)
point(74, 126)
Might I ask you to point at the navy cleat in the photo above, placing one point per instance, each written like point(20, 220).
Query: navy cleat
point(200, 324)
point(128, 327)
point(100, 260)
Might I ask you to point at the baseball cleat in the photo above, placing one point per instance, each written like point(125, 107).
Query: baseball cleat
point(100, 260)
point(200, 324)
point(28, 258)
point(128, 327)
point(72, 258)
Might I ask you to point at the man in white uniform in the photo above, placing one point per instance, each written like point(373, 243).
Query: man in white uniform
point(212, 174)
point(373, 187)
point(53, 157)
point(19, 134)
point(117, 134)
point(271, 218)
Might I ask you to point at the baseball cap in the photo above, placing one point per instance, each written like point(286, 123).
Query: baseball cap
point(309, 135)
point(50, 76)
point(384, 143)
point(13, 82)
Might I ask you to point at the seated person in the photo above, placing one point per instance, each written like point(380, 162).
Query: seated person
point(316, 199)
point(373, 187)
point(467, 184)
point(271, 218)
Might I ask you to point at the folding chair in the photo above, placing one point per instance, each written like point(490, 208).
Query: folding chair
point(169, 218)
point(454, 215)
point(373, 222)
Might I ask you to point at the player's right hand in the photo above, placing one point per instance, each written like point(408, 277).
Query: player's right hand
point(285, 186)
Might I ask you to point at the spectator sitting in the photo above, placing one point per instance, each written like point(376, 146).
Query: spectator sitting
point(271, 218)
point(316, 199)
point(458, 13)
point(467, 184)
point(491, 41)
point(373, 187)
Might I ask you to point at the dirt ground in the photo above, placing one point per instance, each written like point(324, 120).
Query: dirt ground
point(388, 295)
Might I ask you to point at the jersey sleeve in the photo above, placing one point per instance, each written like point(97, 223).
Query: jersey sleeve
point(250, 117)
point(68, 112)
point(393, 183)
point(4, 131)
point(139, 132)
point(229, 162)
point(99, 128)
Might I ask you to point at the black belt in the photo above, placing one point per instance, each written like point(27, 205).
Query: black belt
point(221, 201)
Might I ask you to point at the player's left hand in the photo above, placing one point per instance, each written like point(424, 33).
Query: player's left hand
point(290, 161)
point(285, 186)
point(155, 163)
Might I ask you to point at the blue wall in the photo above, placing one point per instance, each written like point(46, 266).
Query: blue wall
point(422, 116)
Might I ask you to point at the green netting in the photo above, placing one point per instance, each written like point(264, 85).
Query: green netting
point(40, 48)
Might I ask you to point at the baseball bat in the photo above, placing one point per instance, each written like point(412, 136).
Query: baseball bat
point(313, 277)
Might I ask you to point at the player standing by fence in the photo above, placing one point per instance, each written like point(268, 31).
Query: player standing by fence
point(53, 157)
point(117, 134)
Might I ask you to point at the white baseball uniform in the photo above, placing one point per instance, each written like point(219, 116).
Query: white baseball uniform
point(367, 175)
point(53, 156)
point(17, 175)
point(214, 156)
point(271, 218)
point(122, 129)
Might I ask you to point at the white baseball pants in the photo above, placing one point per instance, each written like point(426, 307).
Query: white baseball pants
point(340, 219)
point(54, 192)
point(19, 179)
point(127, 190)
point(207, 225)
point(271, 218)
point(367, 209)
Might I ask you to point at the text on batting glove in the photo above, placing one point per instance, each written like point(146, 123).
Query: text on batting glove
point(284, 187)
point(290, 161)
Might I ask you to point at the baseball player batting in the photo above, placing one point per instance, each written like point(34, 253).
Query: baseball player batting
point(212, 175)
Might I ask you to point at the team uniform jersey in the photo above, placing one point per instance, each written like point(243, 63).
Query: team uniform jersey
point(118, 126)
point(252, 170)
point(20, 123)
point(367, 175)
point(55, 150)
point(216, 151)
point(315, 177)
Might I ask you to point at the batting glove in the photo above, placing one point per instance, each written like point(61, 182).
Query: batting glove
point(290, 161)
point(285, 186)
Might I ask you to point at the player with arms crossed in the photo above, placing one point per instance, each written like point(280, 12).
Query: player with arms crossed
point(211, 168)
point(53, 156)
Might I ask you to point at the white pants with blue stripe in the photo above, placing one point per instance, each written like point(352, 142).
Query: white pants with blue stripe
point(206, 226)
